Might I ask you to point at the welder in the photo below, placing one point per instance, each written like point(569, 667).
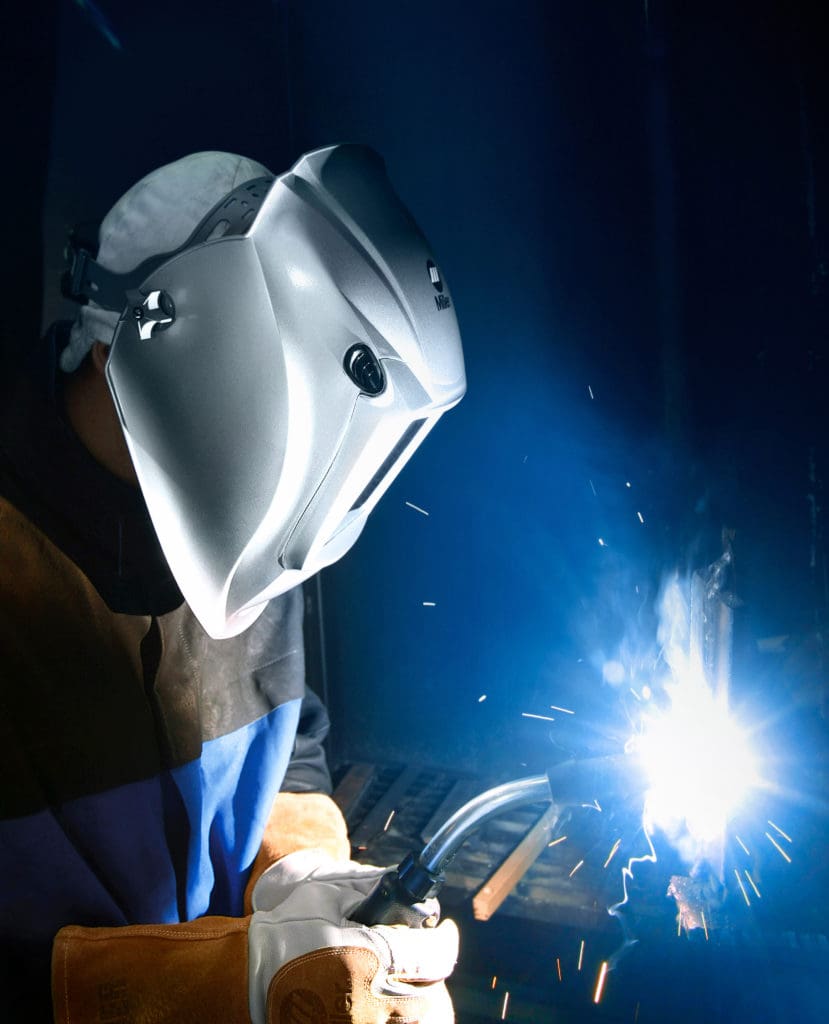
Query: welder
point(254, 360)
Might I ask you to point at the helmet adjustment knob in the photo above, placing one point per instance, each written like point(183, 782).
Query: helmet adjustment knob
point(157, 310)
point(364, 368)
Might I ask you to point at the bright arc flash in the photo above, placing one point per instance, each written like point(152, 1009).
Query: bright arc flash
point(698, 763)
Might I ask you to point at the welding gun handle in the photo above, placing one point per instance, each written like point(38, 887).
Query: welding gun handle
point(390, 902)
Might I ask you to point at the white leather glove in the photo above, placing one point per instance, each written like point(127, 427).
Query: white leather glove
point(306, 957)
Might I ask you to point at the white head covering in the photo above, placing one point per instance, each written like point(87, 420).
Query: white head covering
point(157, 215)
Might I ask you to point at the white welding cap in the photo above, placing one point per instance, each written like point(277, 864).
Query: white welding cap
point(156, 215)
point(274, 374)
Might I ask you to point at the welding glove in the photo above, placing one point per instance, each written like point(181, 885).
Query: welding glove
point(300, 821)
point(297, 958)
point(306, 957)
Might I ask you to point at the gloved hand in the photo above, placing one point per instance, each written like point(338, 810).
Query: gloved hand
point(306, 959)
point(299, 821)
point(297, 958)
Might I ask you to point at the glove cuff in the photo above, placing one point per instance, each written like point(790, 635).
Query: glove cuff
point(195, 973)
point(300, 821)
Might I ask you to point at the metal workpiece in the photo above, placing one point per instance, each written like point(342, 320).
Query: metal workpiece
point(504, 879)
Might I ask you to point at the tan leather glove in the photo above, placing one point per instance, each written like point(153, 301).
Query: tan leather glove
point(193, 973)
point(198, 974)
point(301, 960)
point(304, 952)
point(300, 821)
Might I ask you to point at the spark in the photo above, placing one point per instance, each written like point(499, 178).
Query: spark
point(592, 396)
point(641, 517)
point(97, 18)
point(753, 886)
point(429, 604)
point(564, 711)
point(704, 925)
point(679, 924)
point(544, 718)
point(482, 698)
point(742, 887)
point(558, 968)
point(627, 483)
point(555, 842)
point(504, 1006)
point(581, 954)
point(388, 820)
point(600, 982)
point(745, 848)
point(494, 982)
point(780, 831)
point(778, 847)
point(602, 543)
point(417, 508)
point(612, 853)
point(595, 806)
point(593, 488)
point(635, 694)
point(576, 868)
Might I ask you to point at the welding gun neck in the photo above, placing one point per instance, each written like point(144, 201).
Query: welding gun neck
point(446, 842)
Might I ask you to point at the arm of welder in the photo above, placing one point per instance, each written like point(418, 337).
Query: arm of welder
point(302, 887)
point(298, 945)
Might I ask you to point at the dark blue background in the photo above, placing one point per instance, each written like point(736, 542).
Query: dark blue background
point(625, 197)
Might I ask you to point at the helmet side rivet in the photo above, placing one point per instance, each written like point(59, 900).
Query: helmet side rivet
point(156, 312)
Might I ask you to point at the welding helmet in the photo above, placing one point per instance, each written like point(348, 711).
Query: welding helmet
point(274, 374)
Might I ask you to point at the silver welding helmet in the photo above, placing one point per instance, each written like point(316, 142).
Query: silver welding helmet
point(274, 375)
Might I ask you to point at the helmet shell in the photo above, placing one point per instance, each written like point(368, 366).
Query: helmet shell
point(259, 455)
